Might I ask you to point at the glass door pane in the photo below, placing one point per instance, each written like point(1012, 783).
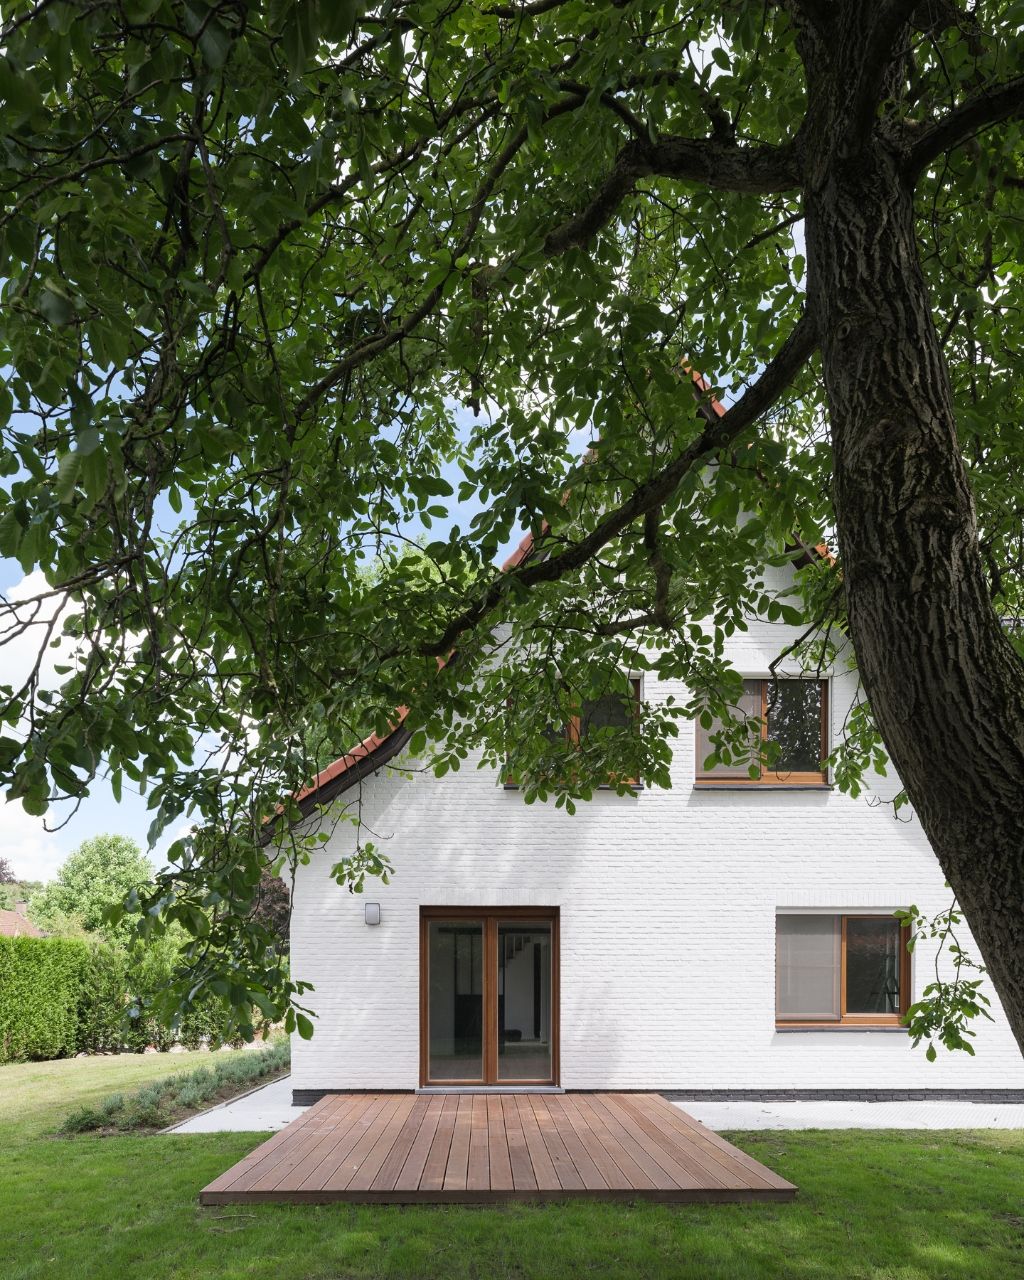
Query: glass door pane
point(455, 1011)
point(524, 1000)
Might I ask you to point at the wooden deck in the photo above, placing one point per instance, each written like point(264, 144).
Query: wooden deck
point(403, 1148)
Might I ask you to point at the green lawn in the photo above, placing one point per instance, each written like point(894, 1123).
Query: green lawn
point(898, 1206)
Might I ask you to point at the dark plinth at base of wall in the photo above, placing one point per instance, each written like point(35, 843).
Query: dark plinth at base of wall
point(306, 1097)
point(843, 1095)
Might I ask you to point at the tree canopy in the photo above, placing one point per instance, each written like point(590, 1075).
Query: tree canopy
point(100, 873)
point(286, 285)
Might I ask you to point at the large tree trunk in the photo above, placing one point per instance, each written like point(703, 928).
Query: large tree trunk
point(945, 685)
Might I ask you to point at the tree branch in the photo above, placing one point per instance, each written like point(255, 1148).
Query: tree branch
point(707, 162)
point(379, 342)
point(717, 434)
point(878, 45)
point(987, 107)
point(517, 11)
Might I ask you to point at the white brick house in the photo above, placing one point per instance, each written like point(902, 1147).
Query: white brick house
point(635, 945)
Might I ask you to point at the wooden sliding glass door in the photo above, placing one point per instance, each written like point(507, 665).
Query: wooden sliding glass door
point(488, 995)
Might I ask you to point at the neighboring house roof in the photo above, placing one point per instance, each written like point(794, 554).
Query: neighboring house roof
point(14, 925)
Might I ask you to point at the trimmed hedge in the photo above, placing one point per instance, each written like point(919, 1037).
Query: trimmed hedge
point(60, 996)
point(40, 991)
point(101, 1005)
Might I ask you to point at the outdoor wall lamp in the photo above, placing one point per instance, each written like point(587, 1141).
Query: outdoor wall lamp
point(371, 912)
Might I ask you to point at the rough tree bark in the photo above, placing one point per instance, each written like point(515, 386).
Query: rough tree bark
point(945, 685)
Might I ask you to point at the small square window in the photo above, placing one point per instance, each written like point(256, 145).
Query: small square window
point(792, 716)
point(607, 711)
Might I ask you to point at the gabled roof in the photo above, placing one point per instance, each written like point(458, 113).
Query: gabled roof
point(347, 770)
point(374, 752)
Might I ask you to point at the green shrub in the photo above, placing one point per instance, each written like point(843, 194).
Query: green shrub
point(59, 996)
point(41, 983)
point(153, 1106)
point(203, 1024)
point(102, 1001)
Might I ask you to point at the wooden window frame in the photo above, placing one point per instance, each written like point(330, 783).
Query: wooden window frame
point(572, 734)
point(771, 777)
point(847, 1019)
point(490, 917)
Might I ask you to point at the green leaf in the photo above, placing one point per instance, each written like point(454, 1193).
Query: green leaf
point(140, 11)
point(67, 476)
point(56, 306)
point(19, 92)
point(215, 43)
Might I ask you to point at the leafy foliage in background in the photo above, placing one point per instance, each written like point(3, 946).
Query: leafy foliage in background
point(61, 996)
point(273, 910)
point(111, 995)
point(15, 891)
point(286, 284)
point(100, 873)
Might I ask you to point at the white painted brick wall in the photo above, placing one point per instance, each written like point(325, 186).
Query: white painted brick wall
point(668, 905)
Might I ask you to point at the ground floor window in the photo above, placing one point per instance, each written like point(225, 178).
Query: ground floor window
point(848, 969)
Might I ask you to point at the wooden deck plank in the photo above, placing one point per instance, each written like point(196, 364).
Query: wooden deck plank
point(365, 1175)
point(408, 1178)
point(566, 1124)
point(705, 1172)
point(391, 1166)
point(316, 1178)
point(437, 1159)
point(275, 1158)
point(310, 1116)
point(315, 1153)
point(707, 1140)
point(543, 1169)
point(403, 1148)
point(654, 1174)
point(523, 1177)
point(663, 1151)
point(478, 1172)
point(635, 1178)
point(458, 1155)
point(610, 1173)
point(312, 1147)
point(717, 1164)
point(694, 1128)
point(372, 1144)
point(568, 1175)
point(499, 1159)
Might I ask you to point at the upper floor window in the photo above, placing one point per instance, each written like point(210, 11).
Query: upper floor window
point(611, 710)
point(792, 715)
point(852, 970)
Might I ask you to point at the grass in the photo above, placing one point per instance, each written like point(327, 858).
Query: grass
point(156, 1105)
point(872, 1206)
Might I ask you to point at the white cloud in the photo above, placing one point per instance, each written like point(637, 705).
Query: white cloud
point(33, 852)
point(21, 651)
